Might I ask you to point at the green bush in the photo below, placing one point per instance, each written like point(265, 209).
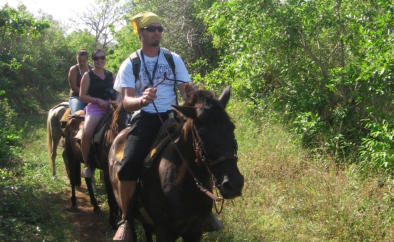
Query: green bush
point(327, 65)
point(10, 136)
point(377, 149)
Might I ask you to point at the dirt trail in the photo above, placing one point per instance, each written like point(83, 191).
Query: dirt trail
point(92, 227)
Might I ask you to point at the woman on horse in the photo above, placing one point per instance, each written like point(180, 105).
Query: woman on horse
point(96, 87)
point(74, 80)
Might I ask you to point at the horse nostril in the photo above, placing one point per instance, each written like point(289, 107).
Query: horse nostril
point(226, 183)
point(232, 185)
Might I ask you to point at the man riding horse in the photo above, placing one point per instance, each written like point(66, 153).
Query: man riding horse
point(155, 80)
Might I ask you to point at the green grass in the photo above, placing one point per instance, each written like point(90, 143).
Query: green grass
point(289, 195)
point(31, 199)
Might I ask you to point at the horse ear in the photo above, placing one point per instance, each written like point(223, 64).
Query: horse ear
point(225, 96)
point(189, 112)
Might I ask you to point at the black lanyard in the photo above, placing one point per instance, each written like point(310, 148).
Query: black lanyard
point(154, 68)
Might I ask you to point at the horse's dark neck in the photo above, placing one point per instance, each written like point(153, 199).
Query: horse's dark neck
point(196, 169)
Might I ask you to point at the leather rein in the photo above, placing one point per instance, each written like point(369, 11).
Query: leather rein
point(200, 156)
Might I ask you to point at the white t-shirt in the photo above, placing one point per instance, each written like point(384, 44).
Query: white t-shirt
point(165, 91)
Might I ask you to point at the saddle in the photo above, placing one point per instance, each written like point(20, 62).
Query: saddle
point(65, 117)
point(161, 142)
point(100, 129)
point(76, 122)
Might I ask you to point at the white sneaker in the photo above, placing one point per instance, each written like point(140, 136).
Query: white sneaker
point(87, 172)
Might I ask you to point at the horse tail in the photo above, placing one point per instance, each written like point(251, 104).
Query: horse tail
point(49, 138)
point(118, 123)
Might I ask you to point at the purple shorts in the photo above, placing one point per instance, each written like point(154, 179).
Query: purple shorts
point(95, 110)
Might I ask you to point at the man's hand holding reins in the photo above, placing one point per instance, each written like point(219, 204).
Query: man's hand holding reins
point(148, 96)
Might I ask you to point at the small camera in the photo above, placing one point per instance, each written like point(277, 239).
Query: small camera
point(111, 94)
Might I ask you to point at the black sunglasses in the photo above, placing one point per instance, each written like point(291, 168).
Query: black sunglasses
point(151, 28)
point(96, 58)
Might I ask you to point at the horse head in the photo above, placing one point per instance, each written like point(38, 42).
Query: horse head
point(213, 138)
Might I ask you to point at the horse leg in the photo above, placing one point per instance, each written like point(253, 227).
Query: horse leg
point(55, 143)
point(72, 183)
point(113, 206)
point(52, 141)
point(94, 183)
point(93, 200)
point(73, 198)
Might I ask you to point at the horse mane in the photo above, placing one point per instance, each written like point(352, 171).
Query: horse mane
point(118, 123)
point(209, 109)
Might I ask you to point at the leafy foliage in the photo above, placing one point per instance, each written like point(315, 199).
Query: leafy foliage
point(33, 60)
point(377, 150)
point(9, 134)
point(184, 32)
point(127, 43)
point(80, 40)
point(330, 60)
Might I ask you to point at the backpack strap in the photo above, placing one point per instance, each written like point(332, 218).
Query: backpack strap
point(136, 62)
point(170, 61)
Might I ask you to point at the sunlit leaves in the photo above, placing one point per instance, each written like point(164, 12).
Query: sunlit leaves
point(13, 21)
point(331, 58)
point(377, 149)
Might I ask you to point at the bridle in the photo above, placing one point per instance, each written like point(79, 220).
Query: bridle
point(201, 154)
point(201, 157)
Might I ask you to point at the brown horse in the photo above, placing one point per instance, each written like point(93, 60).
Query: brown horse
point(202, 146)
point(110, 124)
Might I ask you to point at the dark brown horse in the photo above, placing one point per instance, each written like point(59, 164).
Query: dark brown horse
point(111, 124)
point(202, 147)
